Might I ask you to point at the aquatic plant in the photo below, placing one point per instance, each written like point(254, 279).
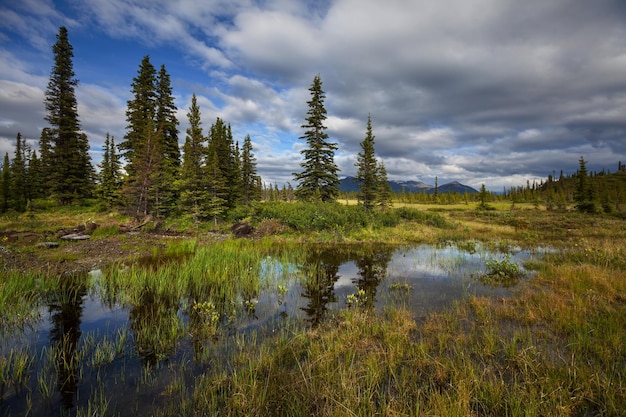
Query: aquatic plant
point(502, 272)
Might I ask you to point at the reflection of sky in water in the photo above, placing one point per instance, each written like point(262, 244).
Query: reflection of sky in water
point(438, 277)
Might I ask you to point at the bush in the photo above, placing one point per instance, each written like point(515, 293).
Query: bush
point(305, 217)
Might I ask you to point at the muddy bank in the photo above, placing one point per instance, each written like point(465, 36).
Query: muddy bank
point(48, 252)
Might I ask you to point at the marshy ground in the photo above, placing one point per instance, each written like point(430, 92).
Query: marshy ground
point(554, 346)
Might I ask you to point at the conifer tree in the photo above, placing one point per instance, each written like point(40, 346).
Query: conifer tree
point(384, 194)
point(71, 172)
point(110, 178)
point(167, 123)
point(192, 185)
point(45, 161)
point(250, 180)
point(152, 126)
point(34, 176)
point(367, 173)
point(5, 184)
point(141, 110)
point(584, 196)
point(216, 186)
point(483, 196)
point(221, 143)
point(139, 189)
point(318, 181)
point(18, 177)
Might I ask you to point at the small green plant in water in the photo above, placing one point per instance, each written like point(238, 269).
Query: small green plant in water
point(400, 287)
point(206, 319)
point(502, 272)
point(282, 290)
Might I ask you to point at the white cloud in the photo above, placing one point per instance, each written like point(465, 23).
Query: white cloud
point(479, 89)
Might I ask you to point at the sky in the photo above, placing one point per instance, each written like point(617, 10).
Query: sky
point(494, 92)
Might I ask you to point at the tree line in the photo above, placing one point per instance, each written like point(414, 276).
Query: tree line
point(146, 174)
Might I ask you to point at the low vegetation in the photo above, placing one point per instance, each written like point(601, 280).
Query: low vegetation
point(556, 346)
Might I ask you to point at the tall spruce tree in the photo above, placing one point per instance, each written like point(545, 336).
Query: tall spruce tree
point(167, 123)
point(318, 180)
point(384, 196)
point(140, 111)
point(34, 176)
point(221, 143)
point(5, 185)
point(152, 126)
point(216, 186)
point(140, 188)
point(249, 179)
point(45, 153)
point(19, 183)
point(71, 171)
point(110, 178)
point(367, 173)
point(192, 185)
point(584, 195)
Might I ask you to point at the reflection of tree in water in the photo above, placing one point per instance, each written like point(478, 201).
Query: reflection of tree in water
point(372, 269)
point(66, 309)
point(322, 267)
point(156, 325)
point(319, 287)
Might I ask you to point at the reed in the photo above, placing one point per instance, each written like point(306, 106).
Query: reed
point(21, 296)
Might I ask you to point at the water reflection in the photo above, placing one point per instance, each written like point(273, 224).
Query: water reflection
point(155, 324)
point(321, 272)
point(206, 318)
point(323, 269)
point(65, 307)
point(372, 269)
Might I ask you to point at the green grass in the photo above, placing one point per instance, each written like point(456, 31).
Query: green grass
point(555, 347)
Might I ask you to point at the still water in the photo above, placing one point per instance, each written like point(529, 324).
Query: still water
point(93, 350)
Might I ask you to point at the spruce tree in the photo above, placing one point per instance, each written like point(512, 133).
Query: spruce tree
point(584, 195)
point(140, 188)
point(384, 194)
point(141, 110)
point(249, 178)
point(216, 186)
point(5, 185)
point(110, 178)
point(71, 171)
point(167, 123)
point(152, 125)
point(318, 181)
point(367, 173)
point(192, 185)
point(483, 196)
point(45, 161)
point(221, 143)
point(34, 176)
point(19, 183)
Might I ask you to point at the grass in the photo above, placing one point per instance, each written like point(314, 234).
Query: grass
point(555, 347)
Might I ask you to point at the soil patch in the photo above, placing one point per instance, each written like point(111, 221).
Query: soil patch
point(19, 251)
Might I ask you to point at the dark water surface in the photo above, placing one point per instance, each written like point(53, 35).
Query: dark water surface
point(92, 352)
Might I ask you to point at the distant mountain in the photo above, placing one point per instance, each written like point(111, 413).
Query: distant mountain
point(350, 184)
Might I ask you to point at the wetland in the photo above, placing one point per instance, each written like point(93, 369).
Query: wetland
point(502, 313)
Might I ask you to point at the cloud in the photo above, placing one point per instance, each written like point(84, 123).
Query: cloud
point(472, 90)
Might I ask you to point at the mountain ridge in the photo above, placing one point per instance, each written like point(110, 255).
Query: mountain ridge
point(351, 184)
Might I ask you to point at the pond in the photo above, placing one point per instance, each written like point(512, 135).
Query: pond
point(117, 341)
